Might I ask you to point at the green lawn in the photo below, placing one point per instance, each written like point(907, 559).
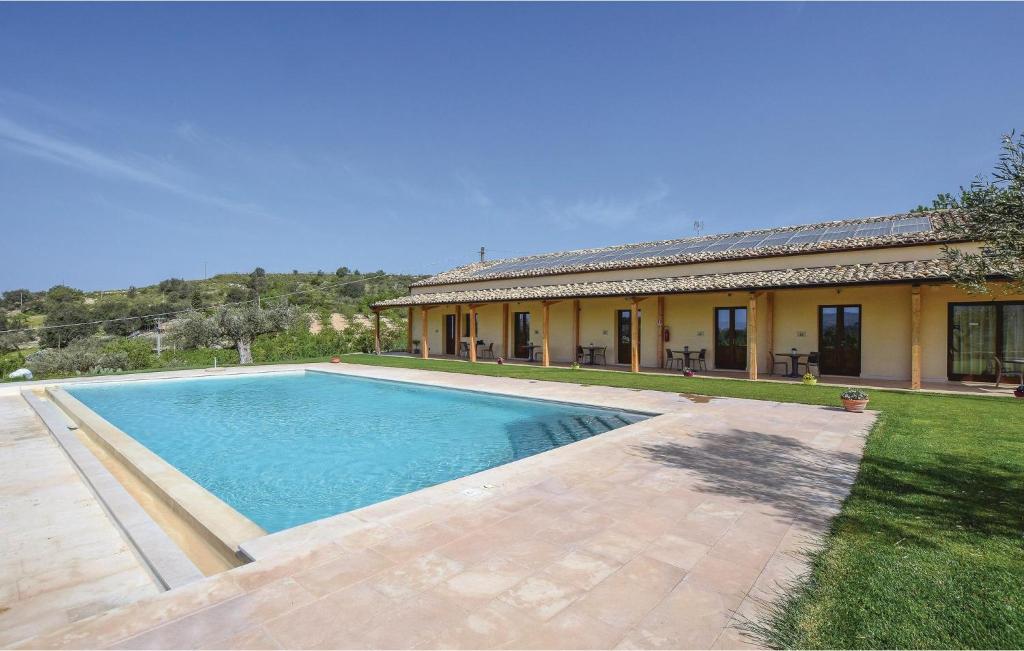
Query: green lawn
point(928, 550)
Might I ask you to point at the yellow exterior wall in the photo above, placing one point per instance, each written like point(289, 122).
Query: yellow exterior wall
point(689, 318)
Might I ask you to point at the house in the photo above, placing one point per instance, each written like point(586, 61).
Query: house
point(871, 297)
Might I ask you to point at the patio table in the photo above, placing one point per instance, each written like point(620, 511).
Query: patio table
point(687, 354)
point(794, 360)
point(590, 350)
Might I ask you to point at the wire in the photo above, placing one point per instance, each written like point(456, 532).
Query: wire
point(195, 309)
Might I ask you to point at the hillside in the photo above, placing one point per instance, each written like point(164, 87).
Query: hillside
point(126, 312)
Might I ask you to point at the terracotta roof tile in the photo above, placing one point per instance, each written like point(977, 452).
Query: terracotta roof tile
point(880, 272)
point(809, 238)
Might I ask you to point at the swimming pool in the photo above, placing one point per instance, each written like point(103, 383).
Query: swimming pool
point(284, 449)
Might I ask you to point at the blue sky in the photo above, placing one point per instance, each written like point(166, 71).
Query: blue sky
point(139, 141)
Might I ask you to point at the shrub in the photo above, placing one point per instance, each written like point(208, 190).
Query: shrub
point(129, 354)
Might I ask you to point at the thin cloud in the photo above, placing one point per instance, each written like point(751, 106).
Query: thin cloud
point(474, 191)
point(610, 212)
point(29, 142)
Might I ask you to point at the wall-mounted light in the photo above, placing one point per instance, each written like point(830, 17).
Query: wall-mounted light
point(801, 333)
point(700, 333)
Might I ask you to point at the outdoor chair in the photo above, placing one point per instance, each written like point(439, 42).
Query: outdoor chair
point(1001, 372)
point(581, 355)
point(776, 362)
point(488, 353)
point(599, 352)
point(670, 361)
point(463, 349)
point(812, 361)
point(702, 359)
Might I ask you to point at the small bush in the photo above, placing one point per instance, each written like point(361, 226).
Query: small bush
point(854, 394)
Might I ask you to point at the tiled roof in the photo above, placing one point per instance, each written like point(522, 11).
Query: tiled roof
point(869, 233)
point(879, 272)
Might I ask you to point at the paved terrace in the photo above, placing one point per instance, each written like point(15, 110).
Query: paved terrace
point(662, 534)
point(61, 558)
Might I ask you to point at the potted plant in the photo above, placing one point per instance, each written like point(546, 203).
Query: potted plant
point(1019, 391)
point(854, 400)
point(335, 359)
point(575, 366)
point(810, 379)
point(500, 360)
point(688, 372)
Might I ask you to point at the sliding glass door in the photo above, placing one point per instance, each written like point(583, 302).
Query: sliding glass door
point(979, 332)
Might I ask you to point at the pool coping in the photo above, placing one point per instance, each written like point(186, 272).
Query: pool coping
point(220, 525)
point(160, 555)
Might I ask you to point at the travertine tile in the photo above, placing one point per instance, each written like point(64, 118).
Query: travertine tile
point(644, 537)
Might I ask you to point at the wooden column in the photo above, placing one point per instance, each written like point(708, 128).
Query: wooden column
point(545, 353)
point(425, 336)
point(472, 333)
point(575, 327)
point(504, 330)
point(769, 324)
point(458, 329)
point(634, 339)
point(752, 337)
point(376, 331)
point(661, 332)
point(408, 332)
point(915, 337)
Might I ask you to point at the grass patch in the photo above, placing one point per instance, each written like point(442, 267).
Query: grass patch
point(928, 550)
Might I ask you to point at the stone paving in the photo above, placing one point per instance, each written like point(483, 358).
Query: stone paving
point(61, 558)
point(663, 534)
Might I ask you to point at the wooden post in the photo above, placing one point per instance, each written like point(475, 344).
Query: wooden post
point(545, 353)
point(575, 327)
point(458, 329)
point(752, 337)
point(425, 336)
point(915, 337)
point(472, 333)
point(769, 324)
point(634, 338)
point(661, 332)
point(504, 330)
point(376, 331)
point(408, 332)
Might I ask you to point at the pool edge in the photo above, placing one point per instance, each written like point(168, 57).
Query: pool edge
point(219, 525)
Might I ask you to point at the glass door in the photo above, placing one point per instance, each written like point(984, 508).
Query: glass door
point(624, 330)
point(979, 332)
point(839, 339)
point(449, 334)
point(521, 334)
point(731, 338)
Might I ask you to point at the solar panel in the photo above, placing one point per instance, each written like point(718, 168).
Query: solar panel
point(732, 243)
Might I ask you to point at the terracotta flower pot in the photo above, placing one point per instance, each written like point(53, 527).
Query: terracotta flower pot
point(856, 406)
point(335, 359)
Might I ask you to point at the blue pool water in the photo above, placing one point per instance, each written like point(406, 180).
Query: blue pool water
point(285, 449)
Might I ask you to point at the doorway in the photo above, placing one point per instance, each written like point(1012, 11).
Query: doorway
point(978, 332)
point(839, 339)
point(624, 335)
point(731, 338)
point(449, 334)
point(521, 334)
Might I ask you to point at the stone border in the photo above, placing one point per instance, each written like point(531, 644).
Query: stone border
point(216, 522)
point(168, 564)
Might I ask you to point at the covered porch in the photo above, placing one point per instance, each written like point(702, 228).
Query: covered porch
point(891, 328)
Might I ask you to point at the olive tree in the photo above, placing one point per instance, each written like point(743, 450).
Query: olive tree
point(989, 211)
point(239, 324)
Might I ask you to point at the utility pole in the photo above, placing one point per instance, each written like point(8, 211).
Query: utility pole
point(205, 276)
point(481, 254)
point(158, 347)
